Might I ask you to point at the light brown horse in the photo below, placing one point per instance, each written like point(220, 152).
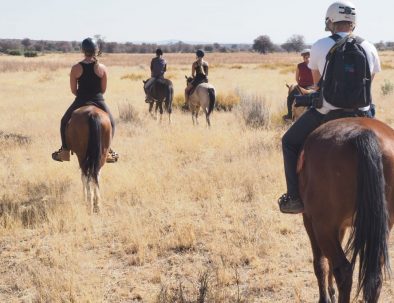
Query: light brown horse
point(203, 96)
point(296, 89)
point(88, 135)
point(346, 180)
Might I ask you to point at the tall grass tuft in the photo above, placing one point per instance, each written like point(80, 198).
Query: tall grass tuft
point(254, 111)
point(387, 87)
point(226, 102)
point(128, 113)
point(133, 77)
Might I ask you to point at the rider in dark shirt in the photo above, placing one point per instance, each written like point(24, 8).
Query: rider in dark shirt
point(158, 67)
point(88, 82)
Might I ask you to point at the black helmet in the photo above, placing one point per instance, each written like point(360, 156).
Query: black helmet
point(89, 46)
point(200, 53)
point(159, 52)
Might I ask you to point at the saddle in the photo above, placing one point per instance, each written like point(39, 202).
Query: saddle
point(346, 113)
point(196, 82)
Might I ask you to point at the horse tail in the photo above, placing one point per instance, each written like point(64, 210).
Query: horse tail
point(369, 235)
point(212, 99)
point(169, 97)
point(94, 149)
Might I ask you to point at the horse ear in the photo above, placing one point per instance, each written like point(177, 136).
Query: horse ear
point(288, 86)
point(186, 77)
point(144, 81)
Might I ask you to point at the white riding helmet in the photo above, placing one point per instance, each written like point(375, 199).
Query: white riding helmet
point(305, 51)
point(341, 11)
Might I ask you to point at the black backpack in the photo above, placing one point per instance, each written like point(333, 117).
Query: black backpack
point(346, 79)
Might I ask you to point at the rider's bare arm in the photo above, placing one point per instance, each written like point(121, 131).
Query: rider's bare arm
point(297, 75)
point(316, 78)
point(206, 68)
point(193, 70)
point(76, 72)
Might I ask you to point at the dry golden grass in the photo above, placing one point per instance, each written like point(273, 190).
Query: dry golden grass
point(181, 202)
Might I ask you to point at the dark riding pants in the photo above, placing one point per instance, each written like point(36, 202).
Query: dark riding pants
point(292, 143)
point(290, 100)
point(293, 140)
point(77, 104)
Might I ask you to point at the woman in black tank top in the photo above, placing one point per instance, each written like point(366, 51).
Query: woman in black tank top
point(199, 73)
point(88, 81)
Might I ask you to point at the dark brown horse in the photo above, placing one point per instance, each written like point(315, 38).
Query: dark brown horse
point(88, 135)
point(346, 175)
point(161, 91)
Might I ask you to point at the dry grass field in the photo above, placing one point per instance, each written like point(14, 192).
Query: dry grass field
point(186, 211)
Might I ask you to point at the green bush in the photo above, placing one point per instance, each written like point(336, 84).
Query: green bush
point(14, 52)
point(30, 54)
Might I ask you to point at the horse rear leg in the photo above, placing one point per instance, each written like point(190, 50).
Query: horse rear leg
point(207, 118)
point(320, 265)
point(161, 110)
point(330, 243)
point(96, 198)
point(88, 192)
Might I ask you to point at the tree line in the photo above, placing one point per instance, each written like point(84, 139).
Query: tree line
point(262, 44)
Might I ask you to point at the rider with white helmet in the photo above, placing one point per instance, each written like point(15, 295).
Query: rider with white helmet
point(340, 20)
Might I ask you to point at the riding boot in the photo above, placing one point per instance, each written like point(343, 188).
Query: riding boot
point(112, 156)
point(61, 155)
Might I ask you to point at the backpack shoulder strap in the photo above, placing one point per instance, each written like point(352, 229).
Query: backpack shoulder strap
point(358, 39)
point(335, 37)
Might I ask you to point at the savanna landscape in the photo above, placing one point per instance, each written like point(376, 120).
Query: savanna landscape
point(188, 214)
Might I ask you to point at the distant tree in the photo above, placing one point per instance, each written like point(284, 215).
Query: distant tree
point(295, 43)
point(263, 44)
point(380, 46)
point(64, 46)
point(9, 44)
point(26, 43)
point(208, 48)
point(39, 46)
point(390, 45)
point(111, 47)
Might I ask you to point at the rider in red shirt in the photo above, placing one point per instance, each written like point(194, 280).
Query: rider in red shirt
point(304, 79)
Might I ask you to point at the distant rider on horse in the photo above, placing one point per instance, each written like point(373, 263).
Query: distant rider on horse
point(199, 74)
point(88, 82)
point(158, 67)
point(341, 21)
point(304, 80)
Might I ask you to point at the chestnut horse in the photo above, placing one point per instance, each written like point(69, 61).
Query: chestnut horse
point(346, 180)
point(88, 135)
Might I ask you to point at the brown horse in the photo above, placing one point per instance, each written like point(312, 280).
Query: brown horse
point(346, 176)
point(88, 135)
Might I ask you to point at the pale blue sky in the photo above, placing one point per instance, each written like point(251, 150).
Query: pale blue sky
point(195, 20)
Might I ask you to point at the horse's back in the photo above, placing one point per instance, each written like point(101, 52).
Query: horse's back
point(328, 178)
